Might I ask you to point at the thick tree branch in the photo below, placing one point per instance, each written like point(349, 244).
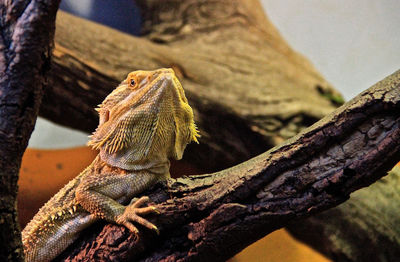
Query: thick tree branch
point(314, 171)
point(369, 220)
point(27, 30)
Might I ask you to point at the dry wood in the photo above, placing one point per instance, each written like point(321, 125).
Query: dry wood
point(365, 228)
point(27, 30)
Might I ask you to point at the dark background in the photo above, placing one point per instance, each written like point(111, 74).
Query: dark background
point(121, 14)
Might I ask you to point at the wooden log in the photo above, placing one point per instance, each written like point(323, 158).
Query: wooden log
point(365, 228)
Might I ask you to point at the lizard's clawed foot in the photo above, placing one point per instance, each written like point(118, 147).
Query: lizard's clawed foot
point(133, 213)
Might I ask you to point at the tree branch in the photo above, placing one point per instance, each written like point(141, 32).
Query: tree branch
point(372, 216)
point(212, 217)
point(27, 30)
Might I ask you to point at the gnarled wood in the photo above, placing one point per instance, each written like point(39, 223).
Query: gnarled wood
point(309, 173)
point(369, 220)
point(27, 29)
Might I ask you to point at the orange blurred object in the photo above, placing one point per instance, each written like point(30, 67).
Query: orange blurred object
point(44, 172)
point(278, 246)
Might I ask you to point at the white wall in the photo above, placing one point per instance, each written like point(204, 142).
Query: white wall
point(353, 43)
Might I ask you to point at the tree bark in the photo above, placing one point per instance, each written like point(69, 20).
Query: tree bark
point(212, 217)
point(369, 220)
point(27, 30)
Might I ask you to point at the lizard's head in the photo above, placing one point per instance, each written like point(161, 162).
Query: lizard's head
point(147, 114)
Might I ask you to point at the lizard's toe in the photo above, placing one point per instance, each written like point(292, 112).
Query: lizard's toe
point(147, 210)
point(133, 214)
point(140, 202)
point(136, 204)
point(131, 227)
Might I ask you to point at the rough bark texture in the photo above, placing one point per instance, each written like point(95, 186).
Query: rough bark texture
point(370, 219)
point(27, 30)
point(212, 217)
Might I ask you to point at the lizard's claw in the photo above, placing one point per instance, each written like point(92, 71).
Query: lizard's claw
point(133, 213)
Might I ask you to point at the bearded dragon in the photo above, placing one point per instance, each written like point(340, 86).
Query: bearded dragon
point(144, 122)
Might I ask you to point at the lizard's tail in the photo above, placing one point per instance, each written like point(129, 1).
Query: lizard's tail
point(46, 241)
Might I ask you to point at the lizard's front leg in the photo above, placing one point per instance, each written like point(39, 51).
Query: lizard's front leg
point(102, 195)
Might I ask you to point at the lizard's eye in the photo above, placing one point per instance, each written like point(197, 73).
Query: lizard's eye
point(132, 82)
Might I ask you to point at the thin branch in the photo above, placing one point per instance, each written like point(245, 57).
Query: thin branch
point(212, 217)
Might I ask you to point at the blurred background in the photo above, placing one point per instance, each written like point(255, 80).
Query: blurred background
point(353, 44)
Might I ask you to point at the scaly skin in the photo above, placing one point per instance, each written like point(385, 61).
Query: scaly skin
point(145, 121)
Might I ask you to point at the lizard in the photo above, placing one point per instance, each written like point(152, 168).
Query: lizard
point(143, 122)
